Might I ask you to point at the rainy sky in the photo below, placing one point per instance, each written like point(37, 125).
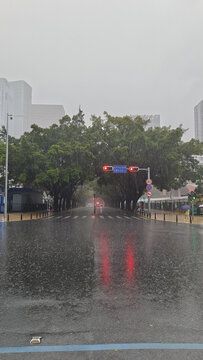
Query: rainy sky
point(119, 56)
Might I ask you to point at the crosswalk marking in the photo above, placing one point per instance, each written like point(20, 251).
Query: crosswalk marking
point(134, 217)
point(120, 217)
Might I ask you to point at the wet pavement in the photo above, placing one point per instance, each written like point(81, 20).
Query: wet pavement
point(77, 279)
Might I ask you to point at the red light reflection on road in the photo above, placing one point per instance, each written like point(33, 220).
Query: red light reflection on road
point(105, 259)
point(130, 259)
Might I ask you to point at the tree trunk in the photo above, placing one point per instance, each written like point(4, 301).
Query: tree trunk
point(56, 200)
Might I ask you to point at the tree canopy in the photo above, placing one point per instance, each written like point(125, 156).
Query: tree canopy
point(60, 158)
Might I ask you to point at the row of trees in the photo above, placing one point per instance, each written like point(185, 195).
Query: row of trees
point(60, 158)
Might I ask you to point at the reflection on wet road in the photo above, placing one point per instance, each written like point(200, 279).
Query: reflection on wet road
point(78, 279)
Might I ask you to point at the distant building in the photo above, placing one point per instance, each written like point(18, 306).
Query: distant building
point(4, 95)
point(19, 105)
point(46, 115)
point(198, 117)
point(16, 99)
point(199, 158)
point(154, 120)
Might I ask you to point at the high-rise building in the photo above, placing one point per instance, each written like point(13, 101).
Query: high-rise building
point(154, 120)
point(16, 100)
point(4, 94)
point(19, 105)
point(198, 116)
point(46, 115)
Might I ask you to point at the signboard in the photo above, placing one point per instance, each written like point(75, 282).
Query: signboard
point(149, 181)
point(120, 169)
point(149, 187)
point(149, 193)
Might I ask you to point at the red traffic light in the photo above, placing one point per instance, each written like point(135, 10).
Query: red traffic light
point(107, 168)
point(133, 168)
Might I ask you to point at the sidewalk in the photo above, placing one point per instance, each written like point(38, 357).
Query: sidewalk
point(175, 217)
point(25, 216)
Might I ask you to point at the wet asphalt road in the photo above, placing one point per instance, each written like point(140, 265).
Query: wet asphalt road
point(74, 279)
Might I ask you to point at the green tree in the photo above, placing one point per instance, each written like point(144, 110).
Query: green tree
point(56, 159)
point(123, 140)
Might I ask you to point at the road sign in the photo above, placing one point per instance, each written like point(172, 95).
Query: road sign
point(149, 187)
point(149, 181)
point(121, 169)
point(149, 193)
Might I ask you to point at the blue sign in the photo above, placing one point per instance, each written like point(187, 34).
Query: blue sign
point(149, 187)
point(120, 169)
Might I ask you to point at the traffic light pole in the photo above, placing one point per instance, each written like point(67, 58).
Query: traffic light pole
point(123, 169)
point(148, 174)
point(192, 210)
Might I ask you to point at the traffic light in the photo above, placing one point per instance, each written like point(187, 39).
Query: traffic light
point(107, 168)
point(133, 168)
point(192, 196)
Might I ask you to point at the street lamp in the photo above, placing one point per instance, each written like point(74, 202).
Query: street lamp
point(148, 175)
point(9, 116)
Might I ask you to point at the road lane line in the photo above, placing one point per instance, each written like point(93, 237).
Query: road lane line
point(100, 347)
point(84, 216)
point(67, 217)
point(126, 217)
point(118, 217)
point(110, 217)
point(101, 216)
point(75, 217)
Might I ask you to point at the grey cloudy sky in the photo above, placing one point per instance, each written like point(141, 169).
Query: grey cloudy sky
point(119, 56)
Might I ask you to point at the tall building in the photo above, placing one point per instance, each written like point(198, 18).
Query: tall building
point(198, 116)
point(154, 120)
point(46, 115)
point(19, 105)
point(16, 99)
point(4, 94)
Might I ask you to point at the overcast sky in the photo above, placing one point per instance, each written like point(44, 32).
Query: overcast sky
point(119, 56)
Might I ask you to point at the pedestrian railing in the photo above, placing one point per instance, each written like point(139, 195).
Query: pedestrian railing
point(27, 216)
point(173, 217)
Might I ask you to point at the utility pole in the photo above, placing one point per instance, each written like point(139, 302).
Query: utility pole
point(149, 204)
point(9, 116)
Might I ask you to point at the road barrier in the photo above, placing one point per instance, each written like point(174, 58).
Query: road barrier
point(175, 217)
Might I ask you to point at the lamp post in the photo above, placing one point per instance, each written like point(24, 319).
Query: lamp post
point(148, 175)
point(9, 116)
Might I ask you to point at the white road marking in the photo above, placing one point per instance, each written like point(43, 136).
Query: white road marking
point(84, 216)
point(75, 217)
point(127, 217)
point(134, 217)
point(110, 217)
point(101, 216)
point(118, 217)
